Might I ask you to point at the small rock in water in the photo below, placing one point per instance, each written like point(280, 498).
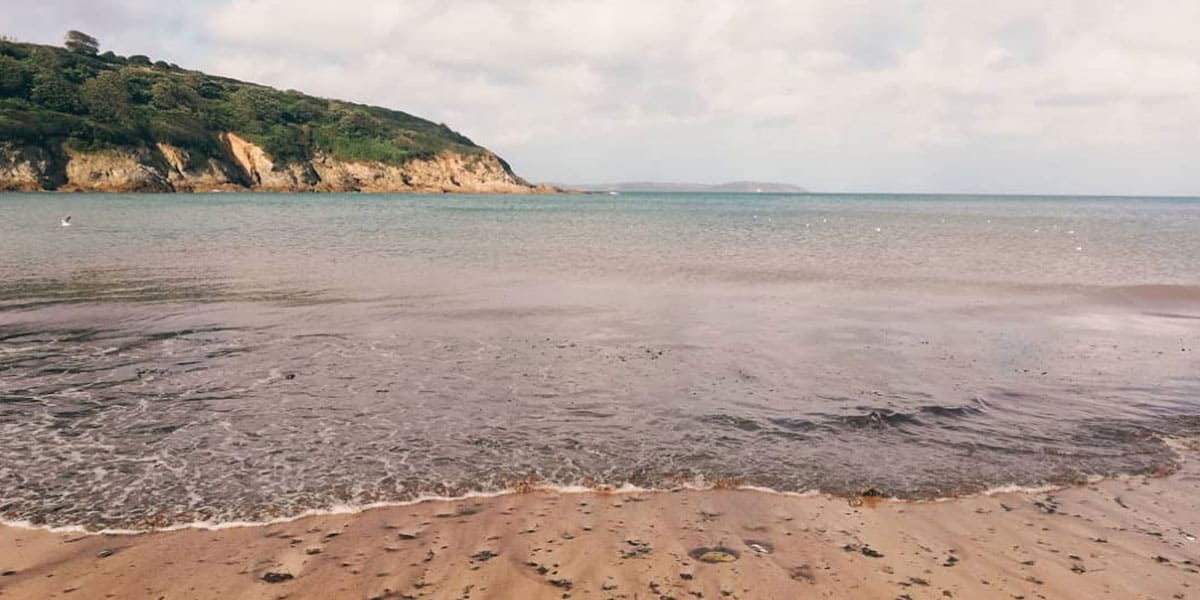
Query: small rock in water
point(273, 577)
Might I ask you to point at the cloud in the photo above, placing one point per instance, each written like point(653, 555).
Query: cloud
point(905, 95)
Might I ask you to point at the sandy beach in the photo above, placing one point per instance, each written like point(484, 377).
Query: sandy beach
point(1127, 538)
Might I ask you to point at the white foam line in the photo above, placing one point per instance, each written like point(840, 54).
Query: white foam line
point(338, 509)
point(625, 489)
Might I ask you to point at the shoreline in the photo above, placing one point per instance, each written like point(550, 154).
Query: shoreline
point(566, 491)
point(1132, 537)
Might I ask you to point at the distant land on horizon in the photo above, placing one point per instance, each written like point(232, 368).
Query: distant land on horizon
point(658, 186)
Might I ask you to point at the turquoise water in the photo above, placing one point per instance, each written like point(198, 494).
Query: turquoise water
point(239, 356)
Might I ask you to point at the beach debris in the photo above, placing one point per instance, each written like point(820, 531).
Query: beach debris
point(276, 577)
point(872, 492)
point(760, 547)
point(1078, 568)
point(716, 554)
point(608, 587)
point(1047, 505)
point(463, 511)
point(687, 576)
point(483, 556)
point(8, 573)
point(950, 561)
point(864, 549)
point(406, 536)
point(332, 534)
point(1162, 559)
point(640, 548)
point(564, 584)
point(802, 573)
point(105, 553)
point(312, 551)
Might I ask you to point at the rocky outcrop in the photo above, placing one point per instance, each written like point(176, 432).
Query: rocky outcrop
point(114, 171)
point(246, 167)
point(30, 168)
point(187, 173)
point(447, 172)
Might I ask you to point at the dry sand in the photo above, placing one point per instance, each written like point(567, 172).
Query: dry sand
point(1130, 538)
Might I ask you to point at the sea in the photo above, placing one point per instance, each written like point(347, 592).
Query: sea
point(217, 358)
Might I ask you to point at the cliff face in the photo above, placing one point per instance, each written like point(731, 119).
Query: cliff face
point(246, 167)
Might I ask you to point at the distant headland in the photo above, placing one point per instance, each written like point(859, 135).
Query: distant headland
point(735, 187)
point(76, 119)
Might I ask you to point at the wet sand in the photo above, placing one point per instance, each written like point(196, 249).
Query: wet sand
point(1127, 538)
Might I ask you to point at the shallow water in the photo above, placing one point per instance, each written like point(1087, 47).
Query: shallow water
point(231, 357)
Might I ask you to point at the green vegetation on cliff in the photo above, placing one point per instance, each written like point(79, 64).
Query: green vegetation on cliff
point(91, 100)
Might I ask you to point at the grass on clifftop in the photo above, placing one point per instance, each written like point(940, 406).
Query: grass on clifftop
point(51, 95)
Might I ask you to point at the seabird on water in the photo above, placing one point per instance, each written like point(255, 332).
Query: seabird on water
point(66, 222)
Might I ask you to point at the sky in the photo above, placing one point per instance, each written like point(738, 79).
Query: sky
point(950, 96)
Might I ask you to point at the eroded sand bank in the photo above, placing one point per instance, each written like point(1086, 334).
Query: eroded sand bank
point(1130, 538)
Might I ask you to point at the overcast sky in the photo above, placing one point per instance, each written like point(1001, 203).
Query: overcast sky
point(1062, 96)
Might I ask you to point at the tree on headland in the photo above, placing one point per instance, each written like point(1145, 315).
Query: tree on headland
point(81, 43)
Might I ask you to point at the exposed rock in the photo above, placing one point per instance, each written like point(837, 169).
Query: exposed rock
point(29, 169)
point(247, 167)
point(114, 171)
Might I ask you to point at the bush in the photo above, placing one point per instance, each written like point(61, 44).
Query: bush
point(169, 94)
point(254, 109)
point(55, 93)
point(107, 97)
point(14, 81)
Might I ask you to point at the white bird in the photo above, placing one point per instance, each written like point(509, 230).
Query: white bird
point(878, 229)
point(66, 221)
